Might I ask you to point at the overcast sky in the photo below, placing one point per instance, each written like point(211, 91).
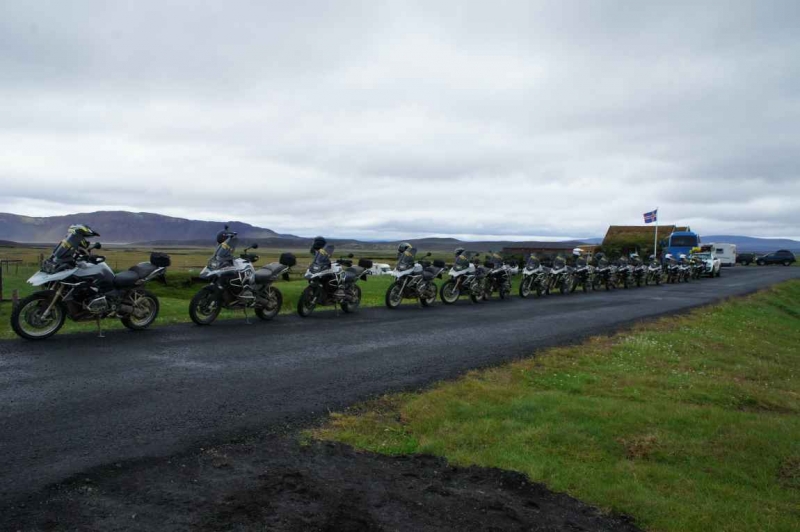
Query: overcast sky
point(401, 119)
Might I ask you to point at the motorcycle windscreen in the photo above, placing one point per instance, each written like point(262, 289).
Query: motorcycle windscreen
point(223, 255)
point(406, 260)
point(322, 259)
point(581, 262)
point(64, 253)
point(532, 262)
point(461, 263)
point(559, 263)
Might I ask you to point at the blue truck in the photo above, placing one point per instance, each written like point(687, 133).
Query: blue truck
point(682, 242)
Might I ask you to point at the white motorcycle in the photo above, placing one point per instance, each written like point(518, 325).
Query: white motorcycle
point(534, 277)
point(465, 278)
point(414, 280)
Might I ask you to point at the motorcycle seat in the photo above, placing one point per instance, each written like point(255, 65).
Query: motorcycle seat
point(126, 279)
point(352, 273)
point(430, 272)
point(269, 272)
point(143, 269)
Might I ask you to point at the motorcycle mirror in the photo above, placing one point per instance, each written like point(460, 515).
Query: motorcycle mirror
point(428, 254)
point(254, 246)
point(97, 245)
point(350, 255)
point(226, 227)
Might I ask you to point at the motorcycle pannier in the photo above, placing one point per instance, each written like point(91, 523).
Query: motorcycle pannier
point(287, 259)
point(365, 263)
point(438, 263)
point(159, 259)
point(319, 243)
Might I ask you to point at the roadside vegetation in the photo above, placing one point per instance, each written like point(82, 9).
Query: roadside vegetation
point(688, 423)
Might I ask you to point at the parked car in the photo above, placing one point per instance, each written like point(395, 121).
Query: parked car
point(745, 258)
point(782, 256)
point(711, 263)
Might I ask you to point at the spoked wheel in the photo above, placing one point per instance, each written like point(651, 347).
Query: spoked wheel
point(145, 310)
point(307, 301)
point(205, 306)
point(394, 295)
point(355, 302)
point(525, 287)
point(431, 299)
point(504, 292)
point(275, 298)
point(449, 293)
point(27, 320)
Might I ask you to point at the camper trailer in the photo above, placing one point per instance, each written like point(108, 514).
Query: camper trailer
point(726, 253)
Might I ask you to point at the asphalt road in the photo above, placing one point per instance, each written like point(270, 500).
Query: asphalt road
point(75, 401)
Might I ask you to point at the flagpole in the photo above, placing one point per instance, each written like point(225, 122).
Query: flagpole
point(655, 239)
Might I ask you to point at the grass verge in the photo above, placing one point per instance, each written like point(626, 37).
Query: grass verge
point(685, 423)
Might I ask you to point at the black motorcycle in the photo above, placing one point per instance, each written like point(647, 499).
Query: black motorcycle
point(534, 277)
point(81, 286)
point(605, 274)
point(332, 282)
point(498, 277)
point(560, 277)
point(466, 277)
point(235, 284)
point(583, 275)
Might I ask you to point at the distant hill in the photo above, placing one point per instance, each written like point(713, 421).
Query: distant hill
point(120, 227)
point(753, 244)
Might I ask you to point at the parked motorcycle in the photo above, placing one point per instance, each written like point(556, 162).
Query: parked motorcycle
point(235, 284)
point(560, 276)
point(684, 268)
point(654, 272)
point(332, 282)
point(624, 273)
point(605, 274)
point(698, 267)
point(414, 280)
point(465, 278)
point(81, 286)
point(638, 269)
point(672, 269)
point(498, 276)
point(584, 272)
point(534, 277)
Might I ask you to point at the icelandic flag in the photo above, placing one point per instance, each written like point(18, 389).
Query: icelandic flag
point(650, 217)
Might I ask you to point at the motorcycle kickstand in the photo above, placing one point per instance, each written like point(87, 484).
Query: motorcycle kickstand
point(99, 329)
point(246, 317)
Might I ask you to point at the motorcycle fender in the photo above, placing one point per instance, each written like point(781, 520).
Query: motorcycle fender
point(40, 278)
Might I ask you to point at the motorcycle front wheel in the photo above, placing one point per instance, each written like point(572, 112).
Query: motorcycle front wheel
point(352, 306)
point(145, 310)
point(394, 295)
point(449, 293)
point(26, 318)
point(275, 299)
point(307, 301)
point(525, 287)
point(205, 306)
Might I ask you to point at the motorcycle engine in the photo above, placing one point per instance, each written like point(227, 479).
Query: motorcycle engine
point(97, 305)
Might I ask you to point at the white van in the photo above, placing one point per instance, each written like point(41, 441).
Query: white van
point(726, 253)
point(380, 269)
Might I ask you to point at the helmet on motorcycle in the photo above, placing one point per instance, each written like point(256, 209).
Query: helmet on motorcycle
point(577, 252)
point(222, 236)
point(82, 230)
point(459, 251)
point(668, 256)
point(402, 247)
point(600, 255)
point(682, 256)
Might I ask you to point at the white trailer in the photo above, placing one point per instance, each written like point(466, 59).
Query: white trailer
point(380, 269)
point(726, 253)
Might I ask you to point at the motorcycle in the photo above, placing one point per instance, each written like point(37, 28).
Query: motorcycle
point(698, 267)
point(81, 286)
point(534, 277)
point(624, 272)
point(465, 278)
point(560, 277)
point(332, 282)
point(685, 270)
point(498, 277)
point(639, 272)
point(673, 271)
point(654, 272)
point(605, 274)
point(583, 275)
point(414, 280)
point(235, 284)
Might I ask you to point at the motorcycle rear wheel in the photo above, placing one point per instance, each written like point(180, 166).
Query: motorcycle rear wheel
point(394, 295)
point(307, 301)
point(205, 306)
point(141, 299)
point(449, 293)
point(267, 313)
point(29, 309)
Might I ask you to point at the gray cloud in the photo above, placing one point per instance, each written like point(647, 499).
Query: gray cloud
point(406, 118)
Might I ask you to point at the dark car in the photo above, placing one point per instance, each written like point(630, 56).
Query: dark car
point(745, 258)
point(782, 256)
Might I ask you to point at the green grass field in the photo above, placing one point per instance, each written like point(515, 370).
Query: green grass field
point(174, 298)
point(689, 423)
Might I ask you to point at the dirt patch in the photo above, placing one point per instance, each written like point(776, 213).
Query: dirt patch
point(276, 483)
